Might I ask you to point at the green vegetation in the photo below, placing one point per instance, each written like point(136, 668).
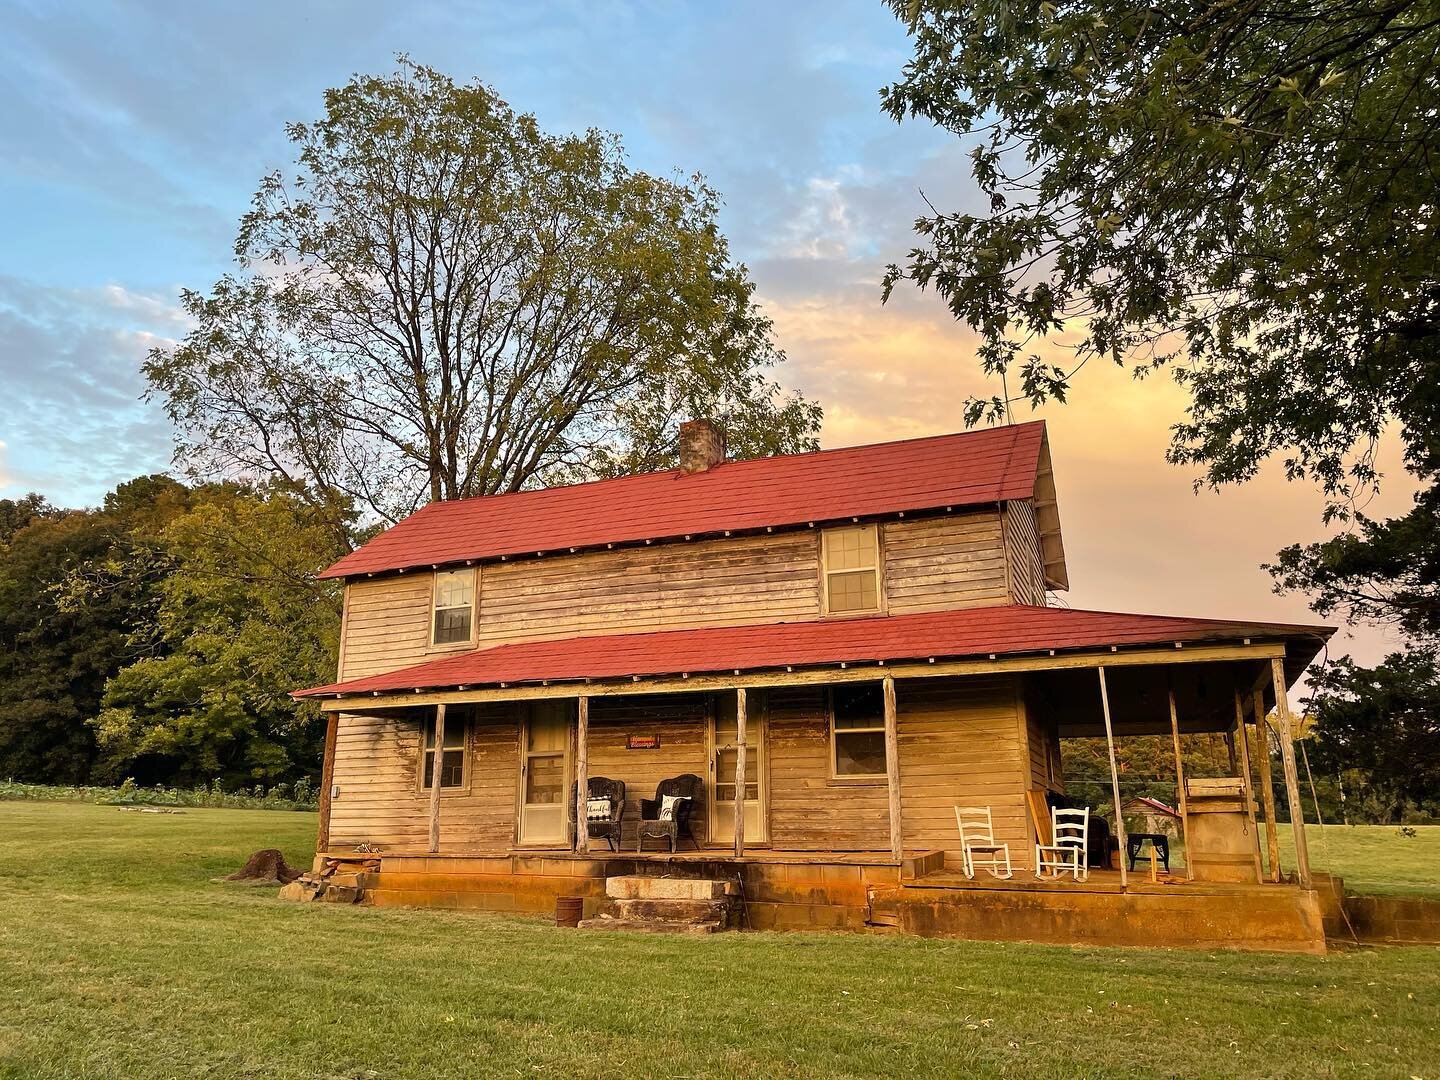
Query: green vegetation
point(299, 796)
point(1373, 858)
point(121, 958)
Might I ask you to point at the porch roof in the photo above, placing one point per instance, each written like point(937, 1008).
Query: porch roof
point(1006, 630)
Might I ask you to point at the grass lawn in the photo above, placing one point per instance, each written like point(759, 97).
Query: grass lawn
point(1372, 858)
point(119, 958)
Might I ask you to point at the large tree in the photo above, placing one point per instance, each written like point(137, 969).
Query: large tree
point(1244, 191)
point(445, 301)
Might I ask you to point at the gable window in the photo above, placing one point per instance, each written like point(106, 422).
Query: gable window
point(454, 606)
point(452, 755)
point(857, 730)
point(851, 566)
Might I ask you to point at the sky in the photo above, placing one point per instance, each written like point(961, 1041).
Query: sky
point(132, 136)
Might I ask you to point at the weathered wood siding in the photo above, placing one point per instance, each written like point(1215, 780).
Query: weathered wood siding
point(1023, 553)
point(962, 744)
point(387, 625)
point(930, 564)
point(808, 810)
point(676, 586)
point(940, 563)
point(682, 723)
point(377, 769)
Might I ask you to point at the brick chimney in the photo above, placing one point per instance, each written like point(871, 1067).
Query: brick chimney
point(702, 446)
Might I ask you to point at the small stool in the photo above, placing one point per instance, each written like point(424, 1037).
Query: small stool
point(1159, 841)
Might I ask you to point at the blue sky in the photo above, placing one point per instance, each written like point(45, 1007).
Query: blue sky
point(133, 135)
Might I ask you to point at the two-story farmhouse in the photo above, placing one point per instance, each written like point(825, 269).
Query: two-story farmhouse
point(823, 656)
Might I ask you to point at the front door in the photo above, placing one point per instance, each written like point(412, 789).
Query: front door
point(545, 773)
point(723, 753)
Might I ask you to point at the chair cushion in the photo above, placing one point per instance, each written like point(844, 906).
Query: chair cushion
point(597, 809)
point(668, 803)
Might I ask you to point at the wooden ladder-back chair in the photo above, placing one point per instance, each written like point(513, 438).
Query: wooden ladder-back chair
point(1068, 850)
point(977, 837)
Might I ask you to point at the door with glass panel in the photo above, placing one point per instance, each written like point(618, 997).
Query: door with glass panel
point(723, 753)
point(545, 773)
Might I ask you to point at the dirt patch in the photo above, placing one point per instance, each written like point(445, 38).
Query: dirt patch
point(267, 867)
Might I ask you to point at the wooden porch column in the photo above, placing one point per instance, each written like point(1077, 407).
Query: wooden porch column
point(1267, 784)
point(327, 783)
point(1181, 793)
point(1292, 773)
point(582, 773)
point(892, 769)
point(740, 709)
point(1244, 747)
point(1114, 777)
point(437, 762)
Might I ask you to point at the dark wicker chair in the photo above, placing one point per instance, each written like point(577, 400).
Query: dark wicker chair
point(690, 787)
point(602, 787)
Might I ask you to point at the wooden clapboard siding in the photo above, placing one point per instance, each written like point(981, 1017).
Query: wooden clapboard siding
point(725, 582)
point(377, 769)
point(962, 744)
point(680, 720)
point(808, 811)
point(930, 564)
point(387, 625)
point(1023, 553)
point(1043, 736)
point(941, 563)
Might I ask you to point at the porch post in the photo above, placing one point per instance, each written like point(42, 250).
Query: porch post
point(892, 769)
point(1181, 793)
point(1292, 772)
point(437, 762)
point(1267, 784)
point(582, 773)
point(739, 830)
point(1249, 791)
point(1114, 777)
point(327, 783)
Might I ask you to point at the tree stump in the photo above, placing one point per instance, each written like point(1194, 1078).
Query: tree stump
point(266, 867)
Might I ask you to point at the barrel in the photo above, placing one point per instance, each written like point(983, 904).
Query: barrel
point(569, 910)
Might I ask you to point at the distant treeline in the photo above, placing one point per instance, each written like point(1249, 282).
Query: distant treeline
point(158, 636)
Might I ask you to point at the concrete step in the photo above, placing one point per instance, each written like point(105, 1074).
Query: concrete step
point(650, 926)
point(673, 910)
point(638, 887)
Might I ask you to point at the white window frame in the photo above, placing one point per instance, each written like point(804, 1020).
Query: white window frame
point(853, 778)
point(435, 609)
point(876, 567)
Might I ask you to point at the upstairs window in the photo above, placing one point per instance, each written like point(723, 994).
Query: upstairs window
point(851, 568)
point(857, 729)
point(452, 757)
point(454, 606)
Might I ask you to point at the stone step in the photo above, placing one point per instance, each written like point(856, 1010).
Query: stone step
point(650, 926)
point(673, 910)
point(638, 887)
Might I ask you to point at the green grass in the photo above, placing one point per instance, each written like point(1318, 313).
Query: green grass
point(1372, 858)
point(119, 958)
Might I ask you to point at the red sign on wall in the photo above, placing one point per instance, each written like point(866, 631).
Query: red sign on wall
point(642, 742)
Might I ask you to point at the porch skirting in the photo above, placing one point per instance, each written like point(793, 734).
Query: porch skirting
point(870, 892)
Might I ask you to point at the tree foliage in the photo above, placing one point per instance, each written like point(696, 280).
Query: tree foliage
point(445, 301)
point(1244, 191)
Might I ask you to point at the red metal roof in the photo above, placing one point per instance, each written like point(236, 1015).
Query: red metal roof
point(1004, 630)
point(968, 469)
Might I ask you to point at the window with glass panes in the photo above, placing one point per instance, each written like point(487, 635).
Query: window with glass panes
point(857, 729)
point(852, 569)
point(454, 606)
point(452, 758)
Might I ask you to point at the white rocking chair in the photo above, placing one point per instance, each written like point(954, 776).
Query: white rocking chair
point(1069, 849)
point(977, 837)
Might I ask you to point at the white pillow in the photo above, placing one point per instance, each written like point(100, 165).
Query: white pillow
point(668, 803)
point(597, 809)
